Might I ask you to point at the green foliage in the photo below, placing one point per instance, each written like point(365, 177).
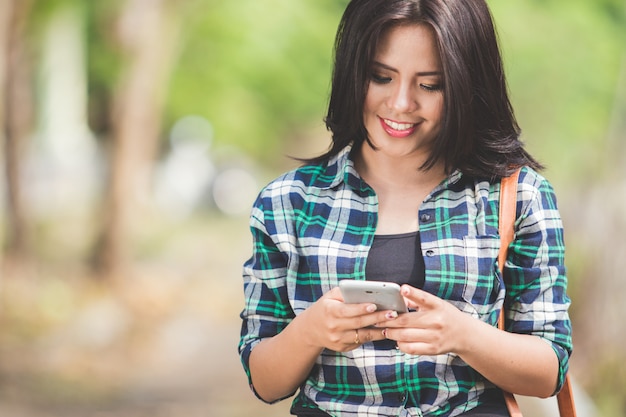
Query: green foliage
point(256, 69)
point(563, 60)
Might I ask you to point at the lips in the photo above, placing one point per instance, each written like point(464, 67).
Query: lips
point(397, 129)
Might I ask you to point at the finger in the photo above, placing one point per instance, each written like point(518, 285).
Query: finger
point(372, 320)
point(361, 311)
point(349, 310)
point(401, 321)
point(415, 341)
point(418, 298)
point(357, 337)
point(401, 334)
point(370, 334)
point(418, 348)
point(351, 339)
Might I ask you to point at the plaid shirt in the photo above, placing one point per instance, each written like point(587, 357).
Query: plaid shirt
point(314, 226)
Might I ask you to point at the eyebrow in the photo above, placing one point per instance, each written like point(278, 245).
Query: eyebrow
point(421, 74)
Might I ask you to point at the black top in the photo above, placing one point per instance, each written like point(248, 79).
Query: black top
point(396, 258)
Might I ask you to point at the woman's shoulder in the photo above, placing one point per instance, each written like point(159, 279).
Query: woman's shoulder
point(530, 180)
point(310, 177)
point(536, 195)
point(531, 185)
point(304, 176)
point(297, 187)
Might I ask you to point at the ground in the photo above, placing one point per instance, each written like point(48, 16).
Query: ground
point(160, 342)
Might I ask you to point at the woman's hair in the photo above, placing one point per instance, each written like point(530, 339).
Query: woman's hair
point(479, 134)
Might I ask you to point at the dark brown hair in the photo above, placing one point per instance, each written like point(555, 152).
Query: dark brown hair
point(479, 133)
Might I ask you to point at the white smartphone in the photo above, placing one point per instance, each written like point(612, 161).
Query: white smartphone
point(386, 295)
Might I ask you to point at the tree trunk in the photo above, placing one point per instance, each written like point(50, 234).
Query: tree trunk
point(147, 34)
point(16, 121)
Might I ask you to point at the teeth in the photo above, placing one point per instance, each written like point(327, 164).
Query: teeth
point(398, 126)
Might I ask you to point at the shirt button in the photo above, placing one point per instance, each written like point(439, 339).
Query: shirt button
point(425, 218)
point(402, 398)
point(430, 253)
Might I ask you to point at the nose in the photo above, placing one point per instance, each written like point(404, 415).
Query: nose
point(403, 98)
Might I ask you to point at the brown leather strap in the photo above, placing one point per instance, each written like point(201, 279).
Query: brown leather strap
point(511, 405)
point(507, 215)
point(565, 399)
point(506, 226)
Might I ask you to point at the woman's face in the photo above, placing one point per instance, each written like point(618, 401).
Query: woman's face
point(404, 101)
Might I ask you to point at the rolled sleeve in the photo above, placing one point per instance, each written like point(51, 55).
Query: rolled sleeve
point(266, 309)
point(535, 274)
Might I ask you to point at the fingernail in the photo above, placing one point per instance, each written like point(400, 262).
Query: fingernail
point(391, 315)
point(384, 333)
point(371, 308)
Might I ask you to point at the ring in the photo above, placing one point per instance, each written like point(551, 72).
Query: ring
point(357, 341)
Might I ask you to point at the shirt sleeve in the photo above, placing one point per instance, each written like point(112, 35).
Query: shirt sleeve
point(535, 276)
point(267, 310)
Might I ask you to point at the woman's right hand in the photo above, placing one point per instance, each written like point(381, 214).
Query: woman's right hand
point(332, 324)
point(279, 364)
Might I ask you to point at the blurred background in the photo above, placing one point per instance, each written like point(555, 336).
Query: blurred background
point(136, 134)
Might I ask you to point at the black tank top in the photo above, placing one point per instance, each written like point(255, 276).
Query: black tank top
point(396, 258)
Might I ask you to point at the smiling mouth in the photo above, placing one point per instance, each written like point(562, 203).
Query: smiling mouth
point(397, 129)
point(398, 126)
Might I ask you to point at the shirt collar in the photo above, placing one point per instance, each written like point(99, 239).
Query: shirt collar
point(453, 178)
point(340, 169)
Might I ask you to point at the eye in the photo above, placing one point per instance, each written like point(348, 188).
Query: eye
point(380, 79)
point(431, 87)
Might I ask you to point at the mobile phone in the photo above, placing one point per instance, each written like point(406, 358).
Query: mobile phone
point(386, 295)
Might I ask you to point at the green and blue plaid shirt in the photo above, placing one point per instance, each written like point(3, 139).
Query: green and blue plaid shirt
point(314, 226)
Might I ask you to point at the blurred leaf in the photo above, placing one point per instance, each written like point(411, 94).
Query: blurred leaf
point(562, 65)
point(256, 68)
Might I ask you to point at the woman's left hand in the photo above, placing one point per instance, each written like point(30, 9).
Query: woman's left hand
point(522, 364)
point(434, 328)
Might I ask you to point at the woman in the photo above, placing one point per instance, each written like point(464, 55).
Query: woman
point(422, 132)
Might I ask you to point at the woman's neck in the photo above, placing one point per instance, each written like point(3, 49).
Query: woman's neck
point(401, 187)
point(397, 173)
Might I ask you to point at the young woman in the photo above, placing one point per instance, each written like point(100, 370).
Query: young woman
point(408, 192)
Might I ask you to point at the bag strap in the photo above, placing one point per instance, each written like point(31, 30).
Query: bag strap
point(506, 227)
point(565, 399)
point(506, 216)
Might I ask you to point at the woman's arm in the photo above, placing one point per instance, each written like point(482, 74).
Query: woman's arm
point(518, 363)
point(280, 364)
point(522, 364)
